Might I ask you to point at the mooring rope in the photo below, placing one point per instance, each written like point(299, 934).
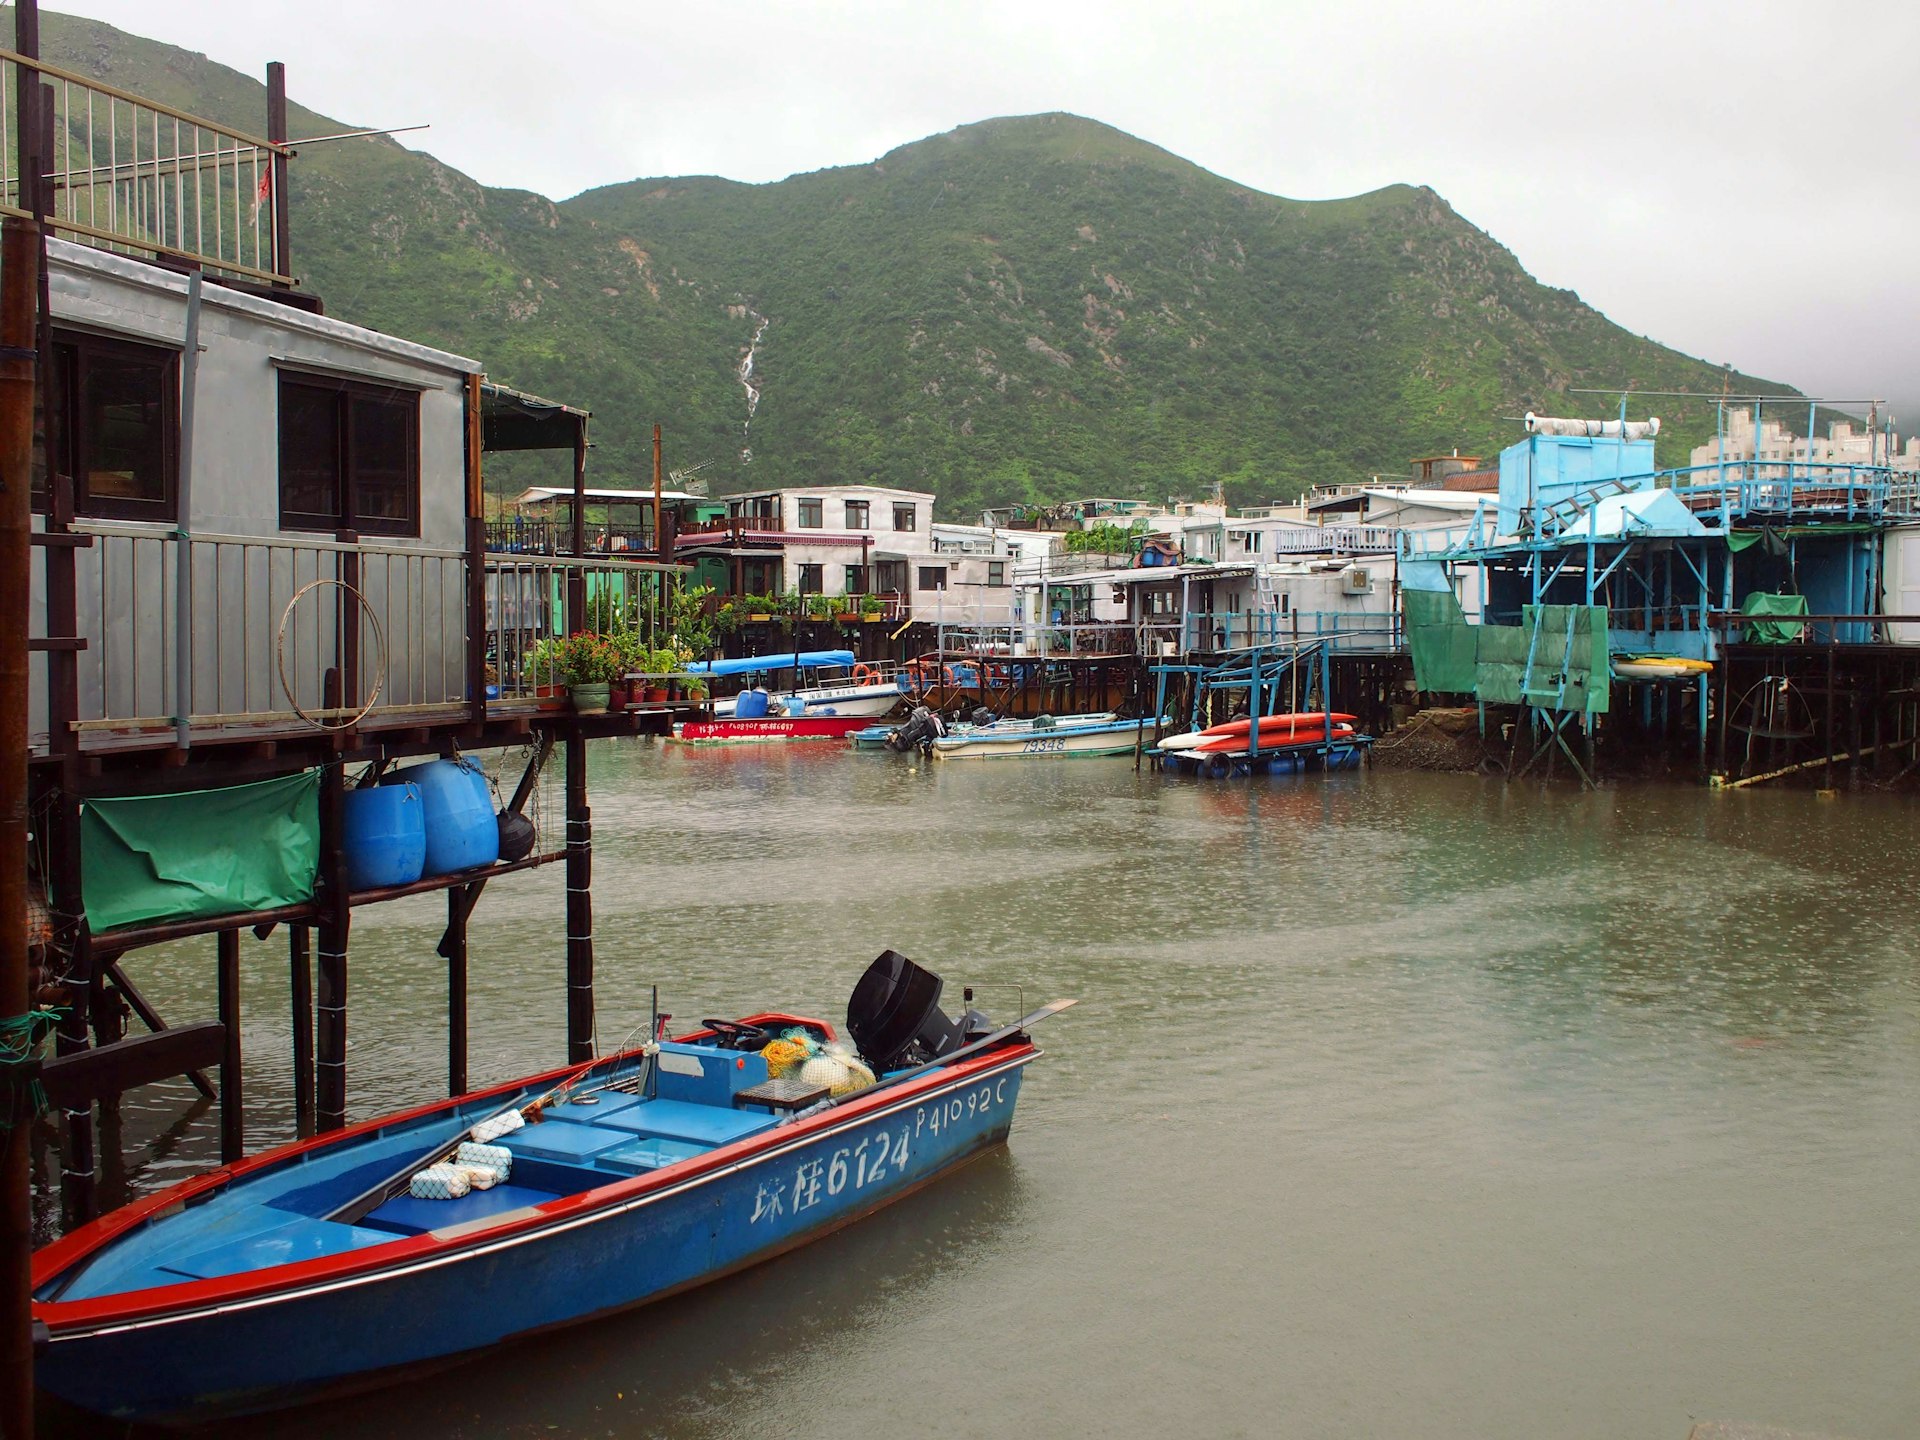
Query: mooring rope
point(20, 1036)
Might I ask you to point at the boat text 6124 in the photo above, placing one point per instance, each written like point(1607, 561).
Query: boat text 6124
point(870, 1160)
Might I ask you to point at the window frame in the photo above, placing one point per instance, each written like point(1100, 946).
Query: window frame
point(68, 447)
point(864, 518)
point(812, 579)
point(856, 580)
point(803, 505)
point(938, 571)
point(996, 573)
point(345, 391)
point(911, 511)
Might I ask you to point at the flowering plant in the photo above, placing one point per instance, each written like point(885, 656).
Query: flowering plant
point(589, 659)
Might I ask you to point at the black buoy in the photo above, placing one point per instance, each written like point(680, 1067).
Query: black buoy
point(894, 1014)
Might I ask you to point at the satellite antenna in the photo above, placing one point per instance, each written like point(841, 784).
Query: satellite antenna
point(683, 479)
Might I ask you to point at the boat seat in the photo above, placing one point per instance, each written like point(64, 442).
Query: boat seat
point(297, 1239)
point(406, 1215)
point(636, 1157)
point(681, 1120)
point(567, 1140)
point(593, 1108)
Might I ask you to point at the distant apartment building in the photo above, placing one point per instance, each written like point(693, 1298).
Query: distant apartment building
point(1773, 448)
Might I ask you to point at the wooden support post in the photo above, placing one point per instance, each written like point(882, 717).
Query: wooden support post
point(579, 904)
point(1827, 728)
point(233, 1116)
point(300, 968)
point(476, 555)
point(18, 281)
point(336, 918)
point(460, 902)
point(277, 132)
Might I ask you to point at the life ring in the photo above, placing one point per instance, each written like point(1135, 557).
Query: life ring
point(865, 675)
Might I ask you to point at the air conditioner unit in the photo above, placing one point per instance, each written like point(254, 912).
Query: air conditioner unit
point(1356, 580)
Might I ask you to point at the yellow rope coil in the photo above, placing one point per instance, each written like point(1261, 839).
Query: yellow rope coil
point(783, 1055)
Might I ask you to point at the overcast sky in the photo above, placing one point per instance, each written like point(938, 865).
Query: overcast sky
point(1735, 180)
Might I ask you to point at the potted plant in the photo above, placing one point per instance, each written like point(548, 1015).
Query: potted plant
point(870, 607)
point(542, 672)
point(591, 663)
point(659, 665)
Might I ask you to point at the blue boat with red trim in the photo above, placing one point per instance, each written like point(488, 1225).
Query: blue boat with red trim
point(323, 1266)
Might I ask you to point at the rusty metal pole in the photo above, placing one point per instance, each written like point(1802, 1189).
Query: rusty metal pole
point(19, 359)
point(277, 166)
point(658, 552)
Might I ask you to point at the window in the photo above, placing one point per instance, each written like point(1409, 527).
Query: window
point(349, 456)
point(856, 580)
point(996, 572)
point(1252, 541)
point(856, 514)
point(811, 517)
point(905, 517)
point(933, 577)
point(812, 579)
point(890, 576)
point(115, 426)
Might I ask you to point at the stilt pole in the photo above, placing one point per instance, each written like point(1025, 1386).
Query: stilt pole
point(300, 982)
point(19, 247)
point(579, 905)
point(233, 1119)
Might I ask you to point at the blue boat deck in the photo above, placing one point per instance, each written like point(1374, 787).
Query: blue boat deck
point(277, 1216)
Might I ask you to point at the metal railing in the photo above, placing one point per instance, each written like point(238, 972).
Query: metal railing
point(1345, 631)
point(264, 619)
point(137, 176)
point(526, 610)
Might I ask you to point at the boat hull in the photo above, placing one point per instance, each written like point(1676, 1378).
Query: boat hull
point(1060, 743)
point(870, 701)
point(771, 728)
point(218, 1350)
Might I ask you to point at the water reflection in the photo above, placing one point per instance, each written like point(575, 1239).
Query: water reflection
point(1394, 1103)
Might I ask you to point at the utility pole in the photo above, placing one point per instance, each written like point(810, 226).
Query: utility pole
point(19, 304)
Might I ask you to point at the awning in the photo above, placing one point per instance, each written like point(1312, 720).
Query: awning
point(511, 420)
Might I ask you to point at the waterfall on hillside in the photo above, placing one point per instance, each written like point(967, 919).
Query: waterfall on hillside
point(746, 380)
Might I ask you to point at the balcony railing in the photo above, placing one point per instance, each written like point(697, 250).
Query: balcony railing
point(252, 634)
point(266, 619)
point(143, 178)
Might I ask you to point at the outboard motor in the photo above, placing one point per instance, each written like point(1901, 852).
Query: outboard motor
point(918, 729)
point(894, 1015)
point(982, 716)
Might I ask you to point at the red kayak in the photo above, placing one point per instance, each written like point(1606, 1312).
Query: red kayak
point(1299, 720)
point(1270, 739)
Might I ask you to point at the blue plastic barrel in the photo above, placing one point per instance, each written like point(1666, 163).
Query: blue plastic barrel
point(796, 705)
point(462, 831)
point(750, 705)
point(384, 834)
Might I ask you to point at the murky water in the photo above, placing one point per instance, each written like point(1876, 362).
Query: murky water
point(1395, 1104)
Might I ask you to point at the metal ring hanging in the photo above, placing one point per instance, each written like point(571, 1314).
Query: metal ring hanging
point(380, 670)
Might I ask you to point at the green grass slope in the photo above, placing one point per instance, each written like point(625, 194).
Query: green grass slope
point(1029, 308)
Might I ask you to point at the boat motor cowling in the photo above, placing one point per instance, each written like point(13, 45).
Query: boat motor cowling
point(894, 1014)
point(920, 728)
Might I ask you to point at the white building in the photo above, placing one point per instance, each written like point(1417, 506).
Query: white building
point(1844, 444)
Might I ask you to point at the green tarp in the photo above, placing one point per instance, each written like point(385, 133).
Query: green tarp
point(1772, 632)
point(205, 852)
point(1441, 641)
point(1567, 665)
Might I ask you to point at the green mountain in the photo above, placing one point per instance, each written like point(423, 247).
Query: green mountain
point(1033, 308)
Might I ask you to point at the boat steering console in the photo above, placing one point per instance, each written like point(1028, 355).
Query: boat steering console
point(737, 1034)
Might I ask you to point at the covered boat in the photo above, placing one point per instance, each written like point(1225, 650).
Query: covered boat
point(1045, 737)
point(340, 1262)
point(820, 679)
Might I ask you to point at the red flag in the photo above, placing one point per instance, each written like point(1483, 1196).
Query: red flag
point(262, 191)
